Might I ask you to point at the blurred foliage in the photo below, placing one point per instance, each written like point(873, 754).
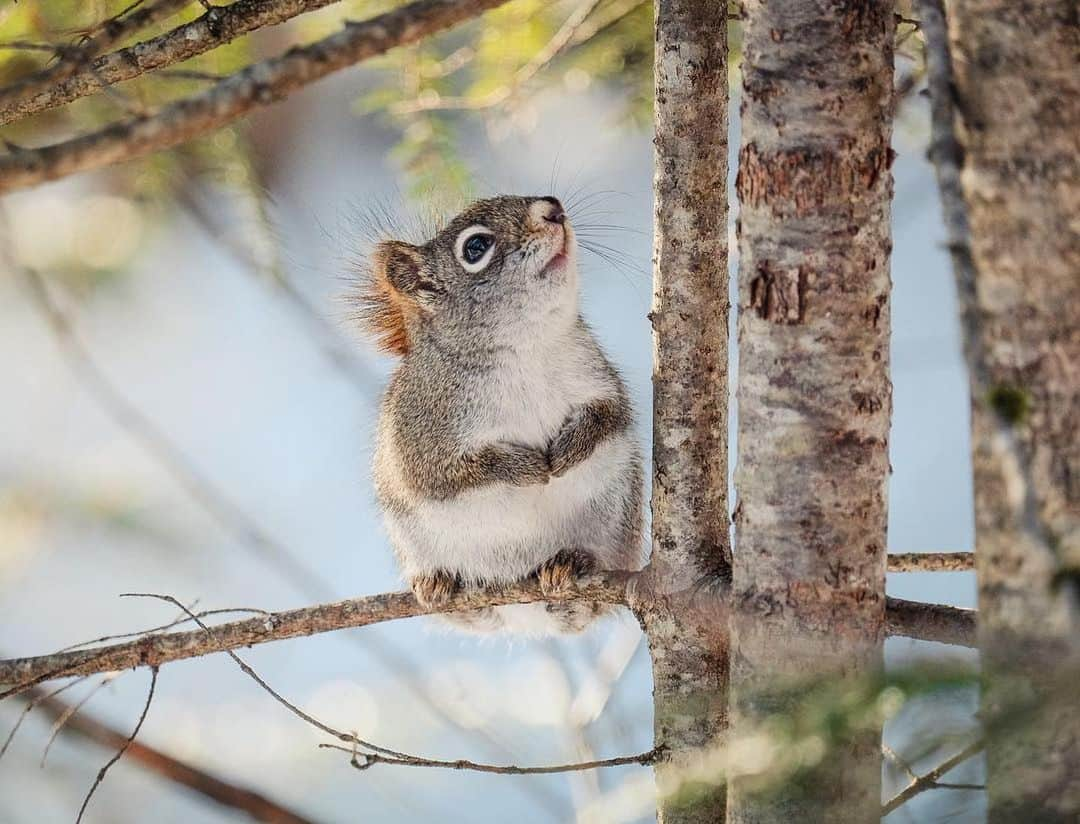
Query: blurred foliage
point(489, 73)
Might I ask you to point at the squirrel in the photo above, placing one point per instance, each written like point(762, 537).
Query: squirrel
point(505, 444)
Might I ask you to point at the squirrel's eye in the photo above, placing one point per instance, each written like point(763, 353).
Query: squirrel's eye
point(474, 248)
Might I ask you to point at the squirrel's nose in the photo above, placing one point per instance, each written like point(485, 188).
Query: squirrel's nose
point(555, 213)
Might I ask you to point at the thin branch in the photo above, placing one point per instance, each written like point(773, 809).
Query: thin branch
point(924, 621)
point(383, 755)
point(220, 25)
point(362, 761)
point(17, 95)
point(123, 747)
point(258, 806)
point(559, 41)
point(73, 710)
point(255, 87)
point(930, 622)
point(930, 780)
point(37, 699)
point(931, 561)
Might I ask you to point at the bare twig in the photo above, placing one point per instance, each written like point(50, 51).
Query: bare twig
point(382, 755)
point(72, 710)
point(253, 88)
point(123, 747)
point(931, 561)
point(217, 27)
point(37, 699)
point(256, 805)
point(559, 41)
point(930, 780)
point(925, 621)
point(362, 761)
point(73, 58)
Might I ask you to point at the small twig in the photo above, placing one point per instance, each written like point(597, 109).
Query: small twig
point(931, 561)
point(930, 780)
point(384, 755)
point(362, 760)
point(70, 712)
point(29, 708)
point(124, 747)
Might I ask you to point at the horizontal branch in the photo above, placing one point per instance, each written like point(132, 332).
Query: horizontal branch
point(253, 88)
point(932, 622)
point(363, 760)
point(220, 25)
point(931, 561)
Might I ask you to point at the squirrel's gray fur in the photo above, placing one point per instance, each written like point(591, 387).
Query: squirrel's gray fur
point(505, 444)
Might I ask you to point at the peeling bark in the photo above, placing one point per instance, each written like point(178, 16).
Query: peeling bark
point(1008, 161)
point(814, 393)
point(679, 599)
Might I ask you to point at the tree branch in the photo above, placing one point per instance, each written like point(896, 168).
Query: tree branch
point(18, 95)
point(932, 622)
point(218, 26)
point(931, 561)
point(363, 760)
point(930, 780)
point(255, 87)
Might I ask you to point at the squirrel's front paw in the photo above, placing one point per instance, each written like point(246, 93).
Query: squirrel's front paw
point(558, 574)
point(434, 591)
point(523, 465)
point(572, 445)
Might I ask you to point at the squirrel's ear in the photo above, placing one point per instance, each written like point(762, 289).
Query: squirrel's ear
point(398, 264)
point(387, 299)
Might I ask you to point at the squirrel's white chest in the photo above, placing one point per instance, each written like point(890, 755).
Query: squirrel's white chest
point(526, 402)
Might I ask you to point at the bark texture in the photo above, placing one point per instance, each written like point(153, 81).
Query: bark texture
point(680, 598)
point(1014, 138)
point(814, 393)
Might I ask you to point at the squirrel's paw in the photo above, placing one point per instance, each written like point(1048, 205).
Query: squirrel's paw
point(572, 445)
point(525, 466)
point(434, 590)
point(558, 574)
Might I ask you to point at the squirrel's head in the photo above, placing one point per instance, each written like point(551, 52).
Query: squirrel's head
point(502, 267)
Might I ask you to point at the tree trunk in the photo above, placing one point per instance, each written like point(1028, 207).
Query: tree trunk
point(680, 600)
point(814, 392)
point(1016, 244)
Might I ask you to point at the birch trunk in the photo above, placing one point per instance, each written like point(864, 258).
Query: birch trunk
point(680, 600)
point(814, 392)
point(1017, 87)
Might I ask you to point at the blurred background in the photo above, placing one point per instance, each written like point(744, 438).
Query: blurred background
point(187, 410)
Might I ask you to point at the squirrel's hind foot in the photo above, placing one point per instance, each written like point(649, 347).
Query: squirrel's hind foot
point(558, 574)
point(434, 590)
